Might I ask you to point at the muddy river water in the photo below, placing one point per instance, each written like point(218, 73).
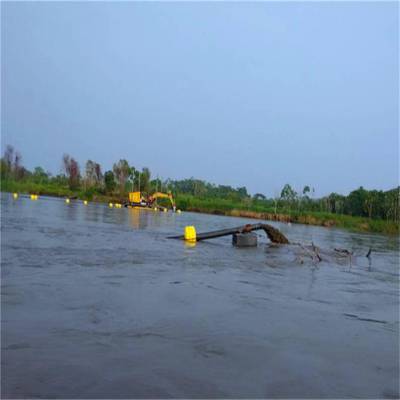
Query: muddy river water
point(98, 303)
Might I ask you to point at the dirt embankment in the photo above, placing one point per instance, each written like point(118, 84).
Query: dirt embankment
point(300, 219)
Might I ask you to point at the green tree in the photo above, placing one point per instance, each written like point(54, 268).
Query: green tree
point(39, 175)
point(156, 185)
point(4, 170)
point(259, 196)
point(145, 180)
point(392, 204)
point(288, 194)
point(109, 181)
point(59, 180)
point(242, 192)
point(335, 203)
point(306, 190)
point(371, 202)
point(304, 199)
point(355, 202)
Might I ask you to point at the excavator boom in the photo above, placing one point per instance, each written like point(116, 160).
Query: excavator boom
point(160, 195)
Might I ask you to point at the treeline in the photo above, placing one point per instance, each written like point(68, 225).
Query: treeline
point(123, 177)
point(375, 204)
point(90, 180)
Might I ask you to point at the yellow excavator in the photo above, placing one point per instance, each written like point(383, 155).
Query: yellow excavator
point(158, 195)
point(138, 199)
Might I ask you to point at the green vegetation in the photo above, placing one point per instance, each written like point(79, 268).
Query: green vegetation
point(327, 219)
point(361, 210)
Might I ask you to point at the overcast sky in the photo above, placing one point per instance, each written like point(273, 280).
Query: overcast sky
point(247, 94)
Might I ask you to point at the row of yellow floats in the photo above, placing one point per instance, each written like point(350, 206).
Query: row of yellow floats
point(115, 205)
point(32, 196)
point(85, 202)
point(36, 197)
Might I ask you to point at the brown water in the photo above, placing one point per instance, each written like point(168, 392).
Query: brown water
point(97, 303)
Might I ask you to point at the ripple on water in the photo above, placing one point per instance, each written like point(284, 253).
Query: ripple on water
point(86, 288)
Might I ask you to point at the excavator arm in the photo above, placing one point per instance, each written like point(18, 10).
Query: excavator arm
point(159, 195)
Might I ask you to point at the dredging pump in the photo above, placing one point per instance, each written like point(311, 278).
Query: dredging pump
point(242, 236)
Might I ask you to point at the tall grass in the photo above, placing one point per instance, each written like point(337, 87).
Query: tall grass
point(228, 207)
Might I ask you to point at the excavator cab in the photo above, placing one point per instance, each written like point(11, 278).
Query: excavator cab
point(135, 197)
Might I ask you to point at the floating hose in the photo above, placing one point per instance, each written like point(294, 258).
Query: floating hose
point(274, 235)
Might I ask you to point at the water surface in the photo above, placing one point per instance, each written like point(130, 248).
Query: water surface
point(97, 303)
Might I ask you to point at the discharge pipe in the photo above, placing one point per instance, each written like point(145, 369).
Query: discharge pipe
point(273, 234)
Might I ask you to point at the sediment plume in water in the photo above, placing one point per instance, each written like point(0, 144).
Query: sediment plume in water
point(274, 235)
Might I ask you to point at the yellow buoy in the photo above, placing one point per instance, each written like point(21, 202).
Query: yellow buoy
point(155, 209)
point(165, 210)
point(34, 196)
point(118, 205)
point(15, 195)
point(67, 201)
point(111, 205)
point(190, 233)
point(85, 202)
point(178, 211)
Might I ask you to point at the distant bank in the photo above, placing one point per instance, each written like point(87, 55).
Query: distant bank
point(357, 224)
point(361, 210)
point(220, 206)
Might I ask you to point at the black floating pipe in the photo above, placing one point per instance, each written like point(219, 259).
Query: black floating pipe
point(273, 234)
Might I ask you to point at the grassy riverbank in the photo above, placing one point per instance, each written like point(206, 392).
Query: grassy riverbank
point(227, 207)
point(220, 206)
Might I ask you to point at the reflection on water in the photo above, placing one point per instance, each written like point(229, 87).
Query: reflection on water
point(139, 218)
point(89, 287)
